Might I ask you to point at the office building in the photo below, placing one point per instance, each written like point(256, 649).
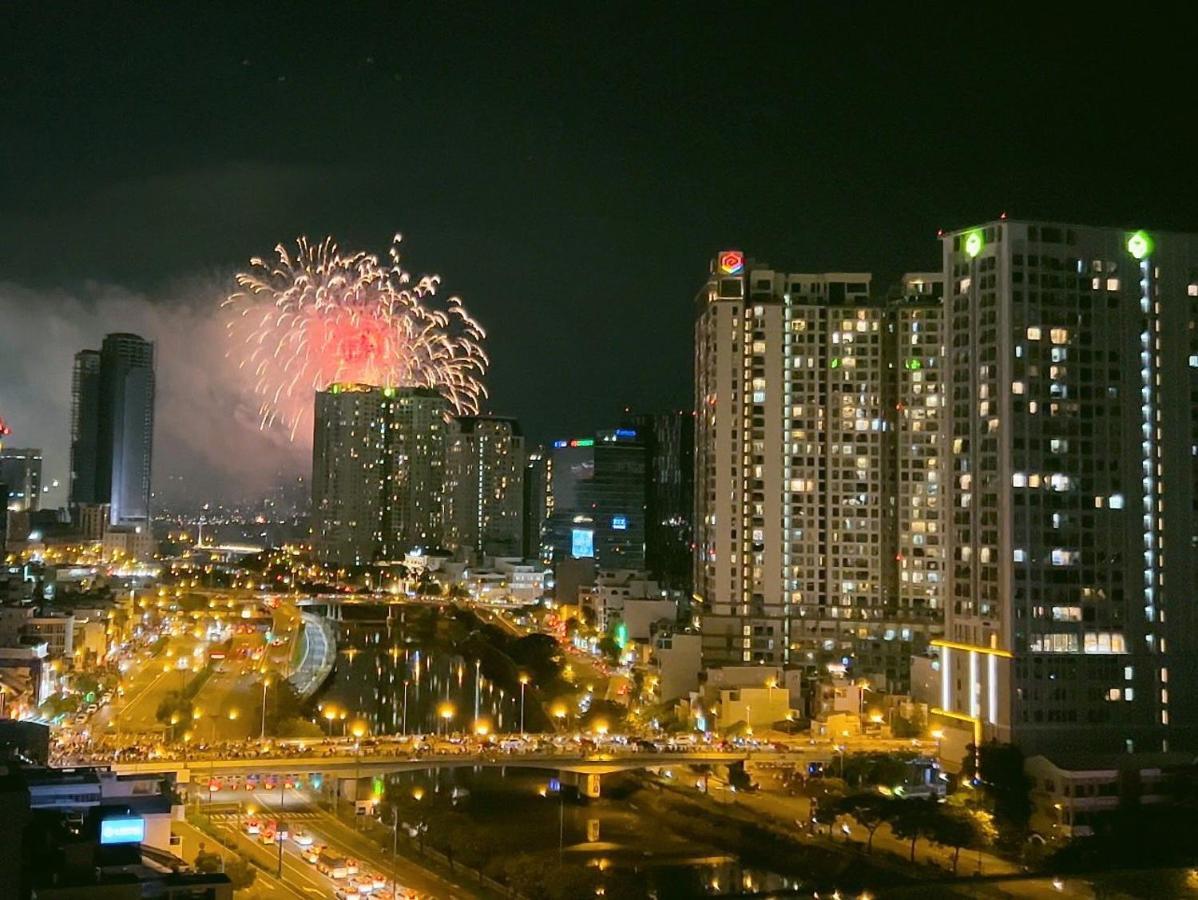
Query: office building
point(536, 494)
point(378, 462)
point(669, 441)
point(85, 430)
point(112, 428)
point(1073, 383)
point(21, 475)
point(484, 485)
point(596, 502)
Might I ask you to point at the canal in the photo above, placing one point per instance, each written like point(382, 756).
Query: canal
point(642, 838)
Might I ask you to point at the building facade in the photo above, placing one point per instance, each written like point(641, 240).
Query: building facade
point(669, 440)
point(536, 498)
point(1073, 383)
point(817, 497)
point(484, 485)
point(378, 471)
point(21, 476)
point(595, 508)
point(112, 428)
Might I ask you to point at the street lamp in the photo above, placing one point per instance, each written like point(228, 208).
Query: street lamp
point(446, 711)
point(330, 714)
point(265, 685)
point(477, 683)
point(523, 685)
point(404, 725)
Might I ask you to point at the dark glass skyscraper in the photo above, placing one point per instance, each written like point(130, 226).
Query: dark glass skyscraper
point(112, 427)
point(85, 428)
point(669, 441)
point(597, 500)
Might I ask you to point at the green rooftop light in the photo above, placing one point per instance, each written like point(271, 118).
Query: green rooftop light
point(1139, 245)
point(914, 365)
point(973, 243)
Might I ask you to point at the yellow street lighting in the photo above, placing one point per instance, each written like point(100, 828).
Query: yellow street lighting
point(196, 713)
point(417, 794)
point(482, 728)
point(524, 679)
point(359, 729)
point(233, 714)
point(600, 726)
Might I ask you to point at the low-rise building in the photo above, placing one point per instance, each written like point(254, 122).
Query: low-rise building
point(130, 543)
point(677, 659)
point(1073, 792)
point(58, 631)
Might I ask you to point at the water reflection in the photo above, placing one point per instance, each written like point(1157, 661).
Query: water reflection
point(398, 687)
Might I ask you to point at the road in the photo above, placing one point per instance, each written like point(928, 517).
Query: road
point(300, 812)
point(788, 811)
point(193, 839)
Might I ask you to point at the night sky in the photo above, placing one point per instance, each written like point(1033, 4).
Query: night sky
point(570, 175)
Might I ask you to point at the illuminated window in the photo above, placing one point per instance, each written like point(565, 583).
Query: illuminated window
point(1033, 332)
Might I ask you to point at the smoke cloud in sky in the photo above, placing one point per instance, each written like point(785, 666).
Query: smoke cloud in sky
point(207, 443)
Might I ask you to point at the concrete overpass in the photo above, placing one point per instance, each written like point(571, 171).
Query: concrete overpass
point(586, 768)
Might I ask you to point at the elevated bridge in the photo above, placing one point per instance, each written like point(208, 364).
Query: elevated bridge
point(586, 768)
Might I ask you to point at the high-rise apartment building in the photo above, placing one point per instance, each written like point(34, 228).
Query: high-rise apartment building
point(669, 440)
point(112, 428)
point(484, 485)
point(596, 502)
point(21, 474)
point(378, 470)
point(789, 467)
point(913, 484)
point(1071, 483)
point(815, 411)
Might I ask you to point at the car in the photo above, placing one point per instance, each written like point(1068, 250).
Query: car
point(268, 837)
point(253, 826)
point(364, 883)
point(348, 892)
point(351, 866)
point(312, 854)
point(378, 881)
point(303, 838)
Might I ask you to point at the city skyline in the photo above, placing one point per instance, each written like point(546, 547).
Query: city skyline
point(560, 216)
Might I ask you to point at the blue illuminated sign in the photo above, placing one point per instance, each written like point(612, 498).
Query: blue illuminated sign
point(625, 432)
point(619, 523)
point(122, 831)
point(557, 445)
point(582, 543)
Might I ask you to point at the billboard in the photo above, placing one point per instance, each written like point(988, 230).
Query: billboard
point(125, 830)
point(582, 543)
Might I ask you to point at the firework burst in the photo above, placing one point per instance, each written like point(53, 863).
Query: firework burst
point(315, 316)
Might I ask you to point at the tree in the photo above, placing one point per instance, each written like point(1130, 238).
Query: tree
point(956, 828)
point(869, 810)
point(998, 768)
point(889, 769)
point(241, 874)
point(206, 861)
point(914, 819)
point(825, 793)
